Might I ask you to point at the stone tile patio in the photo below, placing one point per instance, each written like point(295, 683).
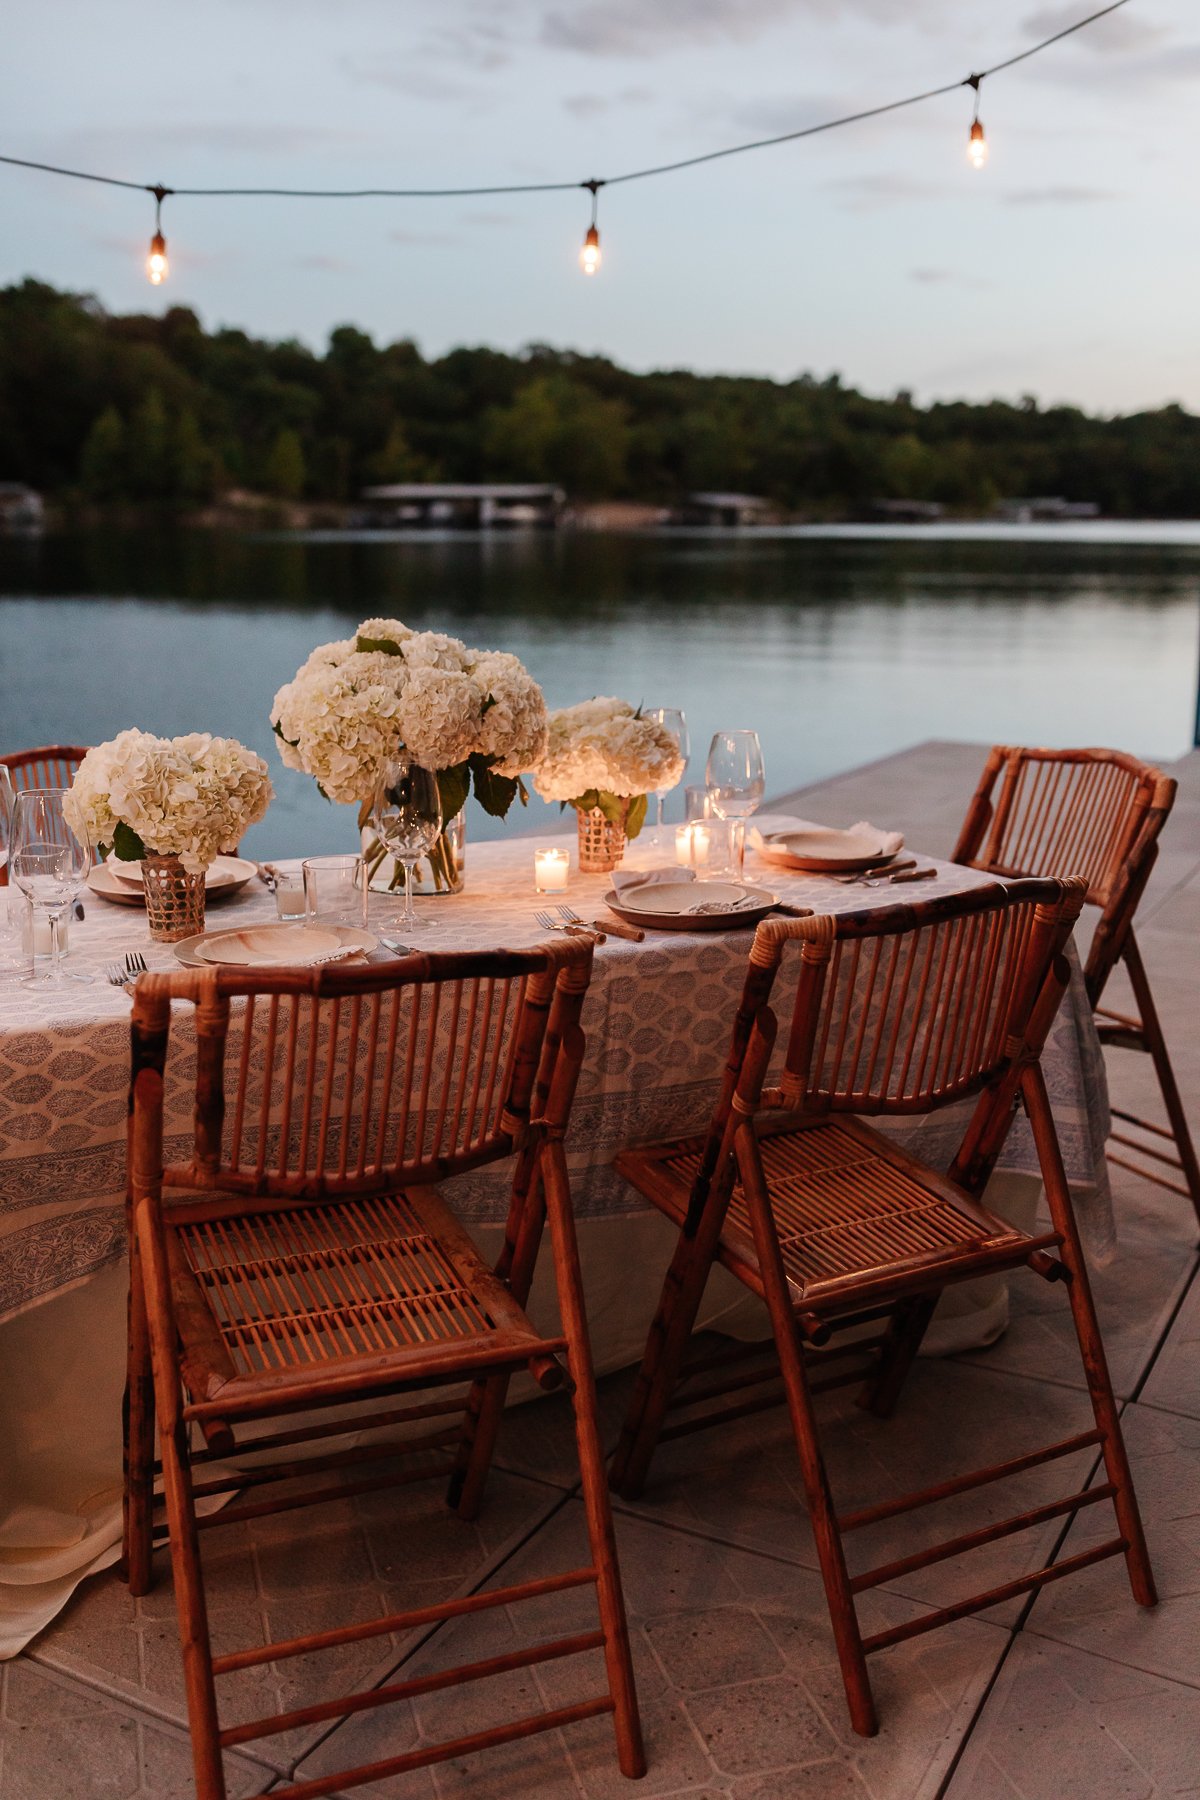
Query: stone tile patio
point(1078, 1693)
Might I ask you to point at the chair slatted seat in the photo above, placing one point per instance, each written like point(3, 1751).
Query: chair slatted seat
point(898, 1010)
point(1097, 814)
point(304, 1257)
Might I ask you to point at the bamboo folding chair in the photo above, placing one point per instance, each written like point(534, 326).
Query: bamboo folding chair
point(1097, 814)
point(49, 766)
point(897, 1011)
point(302, 1258)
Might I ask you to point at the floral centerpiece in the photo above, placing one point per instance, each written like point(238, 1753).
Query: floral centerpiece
point(173, 805)
point(603, 757)
point(477, 717)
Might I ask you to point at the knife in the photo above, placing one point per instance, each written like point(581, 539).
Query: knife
point(619, 928)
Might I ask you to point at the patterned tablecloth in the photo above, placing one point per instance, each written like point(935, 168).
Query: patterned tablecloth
point(657, 1021)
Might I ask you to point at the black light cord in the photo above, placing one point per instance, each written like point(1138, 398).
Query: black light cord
point(558, 187)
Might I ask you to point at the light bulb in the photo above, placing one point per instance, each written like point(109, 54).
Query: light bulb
point(589, 256)
point(977, 145)
point(156, 262)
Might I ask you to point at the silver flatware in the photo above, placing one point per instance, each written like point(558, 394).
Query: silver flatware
point(268, 875)
point(116, 975)
point(618, 926)
point(396, 947)
point(548, 922)
point(135, 964)
point(912, 874)
point(884, 873)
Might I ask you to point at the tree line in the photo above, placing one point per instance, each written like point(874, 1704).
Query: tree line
point(155, 410)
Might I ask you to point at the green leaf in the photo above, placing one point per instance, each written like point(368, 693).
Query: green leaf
point(487, 706)
point(127, 845)
point(613, 806)
point(453, 786)
point(278, 730)
point(585, 802)
point(388, 646)
point(523, 793)
point(495, 793)
point(635, 818)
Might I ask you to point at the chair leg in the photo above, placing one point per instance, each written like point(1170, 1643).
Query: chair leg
point(485, 1402)
point(1157, 1046)
point(193, 1616)
point(137, 1417)
point(1091, 1345)
point(630, 1750)
point(822, 1514)
point(666, 1347)
point(906, 1328)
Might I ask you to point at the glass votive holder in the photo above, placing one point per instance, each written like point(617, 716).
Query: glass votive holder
point(704, 847)
point(290, 904)
point(550, 869)
point(335, 890)
point(697, 803)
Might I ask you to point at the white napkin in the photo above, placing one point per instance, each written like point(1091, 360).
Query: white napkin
point(778, 826)
point(625, 880)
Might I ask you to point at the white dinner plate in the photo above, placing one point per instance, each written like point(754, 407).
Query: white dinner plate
point(275, 946)
point(672, 905)
point(122, 882)
point(821, 850)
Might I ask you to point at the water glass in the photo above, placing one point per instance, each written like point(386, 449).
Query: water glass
point(335, 890)
point(50, 865)
point(10, 899)
point(672, 720)
point(407, 816)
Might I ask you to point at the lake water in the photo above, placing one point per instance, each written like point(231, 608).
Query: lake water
point(838, 645)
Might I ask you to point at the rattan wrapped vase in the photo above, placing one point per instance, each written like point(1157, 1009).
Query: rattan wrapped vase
point(601, 843)
point(174, 899)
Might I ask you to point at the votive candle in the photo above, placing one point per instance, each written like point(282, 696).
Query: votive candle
point(692, 844)
point(550, 871)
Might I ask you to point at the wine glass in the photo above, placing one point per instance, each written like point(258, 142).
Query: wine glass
point(9, 932)
point(674, 721)
point(735, 783)
point(50, 865)
point(407, 816)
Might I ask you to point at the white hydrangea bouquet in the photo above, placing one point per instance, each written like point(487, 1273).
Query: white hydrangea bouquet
point(477, 717)
point(173, 805)
point(604, 757)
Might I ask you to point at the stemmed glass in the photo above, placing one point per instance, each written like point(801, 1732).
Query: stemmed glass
point(736, 783)
point(50, 865)
point(407, 816)
point(675, 722)
point(9, 935)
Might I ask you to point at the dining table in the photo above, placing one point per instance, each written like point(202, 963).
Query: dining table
point(656, 1020)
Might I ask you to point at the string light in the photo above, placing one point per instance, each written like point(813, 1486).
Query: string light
point(977, 144)
point(589, 256)
point(157, 267)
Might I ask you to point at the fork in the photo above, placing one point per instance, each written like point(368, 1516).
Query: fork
point(117, 975)
point(548, 922)
point(135, 964)
point(621, 928)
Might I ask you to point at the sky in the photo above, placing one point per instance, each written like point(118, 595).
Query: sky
point(1067, 268)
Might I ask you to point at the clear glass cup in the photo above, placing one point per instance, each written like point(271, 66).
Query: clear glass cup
point(50, 866)
point(736, 784)
point(11, 906)
point(676, 723)
point(407, 816)
point(697, 804)
point(290, 902)
point(335, 890)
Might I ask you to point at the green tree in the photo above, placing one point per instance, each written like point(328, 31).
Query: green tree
point(102, 465)
point(193, 465)
point(149, 449)
point(557, 430)
point(284, 471)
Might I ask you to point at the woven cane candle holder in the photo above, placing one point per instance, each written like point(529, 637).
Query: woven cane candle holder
point(174, 899)
point(601, 843)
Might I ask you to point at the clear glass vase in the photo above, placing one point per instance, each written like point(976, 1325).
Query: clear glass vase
point(441, 872)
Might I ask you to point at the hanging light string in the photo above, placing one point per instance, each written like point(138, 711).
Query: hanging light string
point(590, 255)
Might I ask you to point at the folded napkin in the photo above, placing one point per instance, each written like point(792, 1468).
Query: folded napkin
point(625, 880)
point(772, 827)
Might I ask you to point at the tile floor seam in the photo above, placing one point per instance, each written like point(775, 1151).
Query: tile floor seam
point(1193, 1280)
point(426, 1635)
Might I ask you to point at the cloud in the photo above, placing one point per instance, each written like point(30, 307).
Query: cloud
point(317, 259)
point(401, 74)
point(647, 27)
point(1062, 195)
point(488, 218)
point(867, 193)
point(1120, 32)
point(589, 106)
point(426, 240)
point(947, 278)
point(238, 136)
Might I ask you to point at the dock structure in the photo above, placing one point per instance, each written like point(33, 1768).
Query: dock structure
point(723, 510)
point(475, 506)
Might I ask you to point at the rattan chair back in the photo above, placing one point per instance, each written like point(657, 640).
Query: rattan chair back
point(49, 766)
